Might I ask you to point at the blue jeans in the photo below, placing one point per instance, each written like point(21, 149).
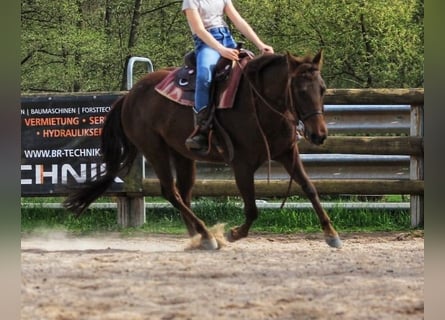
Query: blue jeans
point(206, 59)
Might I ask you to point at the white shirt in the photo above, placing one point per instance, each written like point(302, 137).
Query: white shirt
point(210, 11)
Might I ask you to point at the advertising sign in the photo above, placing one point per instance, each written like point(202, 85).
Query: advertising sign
point(61, 141)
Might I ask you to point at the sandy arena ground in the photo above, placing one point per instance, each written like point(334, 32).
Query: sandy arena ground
point(374, 276)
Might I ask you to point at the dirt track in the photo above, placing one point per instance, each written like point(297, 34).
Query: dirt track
point(374, 276)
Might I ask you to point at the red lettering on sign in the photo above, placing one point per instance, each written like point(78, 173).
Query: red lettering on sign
point(97, 119)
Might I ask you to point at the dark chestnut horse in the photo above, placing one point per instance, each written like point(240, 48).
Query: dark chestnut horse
point(275, 92)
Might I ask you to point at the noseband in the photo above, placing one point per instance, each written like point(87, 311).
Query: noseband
point(309, 115)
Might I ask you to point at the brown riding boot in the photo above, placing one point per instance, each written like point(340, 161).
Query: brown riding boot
point(198, 140)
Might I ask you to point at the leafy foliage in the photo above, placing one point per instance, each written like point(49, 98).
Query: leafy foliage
point(83, 45)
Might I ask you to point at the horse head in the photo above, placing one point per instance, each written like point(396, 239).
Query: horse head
point(306, 90)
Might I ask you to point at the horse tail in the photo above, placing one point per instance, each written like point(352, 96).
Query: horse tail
point(118, 154)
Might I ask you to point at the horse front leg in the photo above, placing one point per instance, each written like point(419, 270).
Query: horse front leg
point(244, 178)
point(292, 162)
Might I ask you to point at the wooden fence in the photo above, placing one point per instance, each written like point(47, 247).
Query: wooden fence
point(375, 147)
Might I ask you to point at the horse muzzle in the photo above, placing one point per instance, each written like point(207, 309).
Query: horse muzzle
point(317, 139)
point(315, 132)
point(316, 135)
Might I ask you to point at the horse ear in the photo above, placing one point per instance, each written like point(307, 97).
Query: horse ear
point(291, 62)
point(318, 59)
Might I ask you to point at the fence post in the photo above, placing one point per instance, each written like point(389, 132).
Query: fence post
point(131, 207)
point(417, 167)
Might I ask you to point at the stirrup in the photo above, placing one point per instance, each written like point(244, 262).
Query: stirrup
point(193, 144)
point(196, 142)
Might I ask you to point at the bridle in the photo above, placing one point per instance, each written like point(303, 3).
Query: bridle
point(296, 114)
point(299, 115)
point(296, 117)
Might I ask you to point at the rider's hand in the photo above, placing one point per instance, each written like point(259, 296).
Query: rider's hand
point(229, 53)
point(266, 49)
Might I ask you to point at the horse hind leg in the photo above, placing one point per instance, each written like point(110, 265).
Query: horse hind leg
point(244, 178)
point(161, 165)
point(185, 178)
point(193, 224)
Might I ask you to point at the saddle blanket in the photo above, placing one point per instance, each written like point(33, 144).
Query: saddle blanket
point(177, 88)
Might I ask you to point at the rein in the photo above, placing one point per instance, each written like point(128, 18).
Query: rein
point(258, 94)
point(255, 93)
point(295, 113)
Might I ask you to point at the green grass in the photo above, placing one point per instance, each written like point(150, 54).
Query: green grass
point(43, 219)
point(168, 220)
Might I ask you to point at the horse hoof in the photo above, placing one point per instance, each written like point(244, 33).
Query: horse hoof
point(235, 234)
point(209, 244)
point(232, 236)
point(334, 242)
point(229, 237)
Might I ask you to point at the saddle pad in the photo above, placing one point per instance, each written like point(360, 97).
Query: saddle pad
point(225, 90)
point(168, 88)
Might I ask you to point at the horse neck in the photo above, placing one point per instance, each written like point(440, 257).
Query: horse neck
point(272, 94)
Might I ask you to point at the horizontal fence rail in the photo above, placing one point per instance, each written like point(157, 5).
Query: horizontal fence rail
point(319, 166)
point(363, 119)
point(275, 188)
point(262, 204)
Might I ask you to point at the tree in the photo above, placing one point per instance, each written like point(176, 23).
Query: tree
point(84, 45)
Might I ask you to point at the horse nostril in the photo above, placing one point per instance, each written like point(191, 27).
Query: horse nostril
point(316, 139)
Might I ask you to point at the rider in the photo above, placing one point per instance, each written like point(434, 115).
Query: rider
point(212, 39)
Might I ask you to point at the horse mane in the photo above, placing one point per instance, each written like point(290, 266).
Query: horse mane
point(257, 65)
